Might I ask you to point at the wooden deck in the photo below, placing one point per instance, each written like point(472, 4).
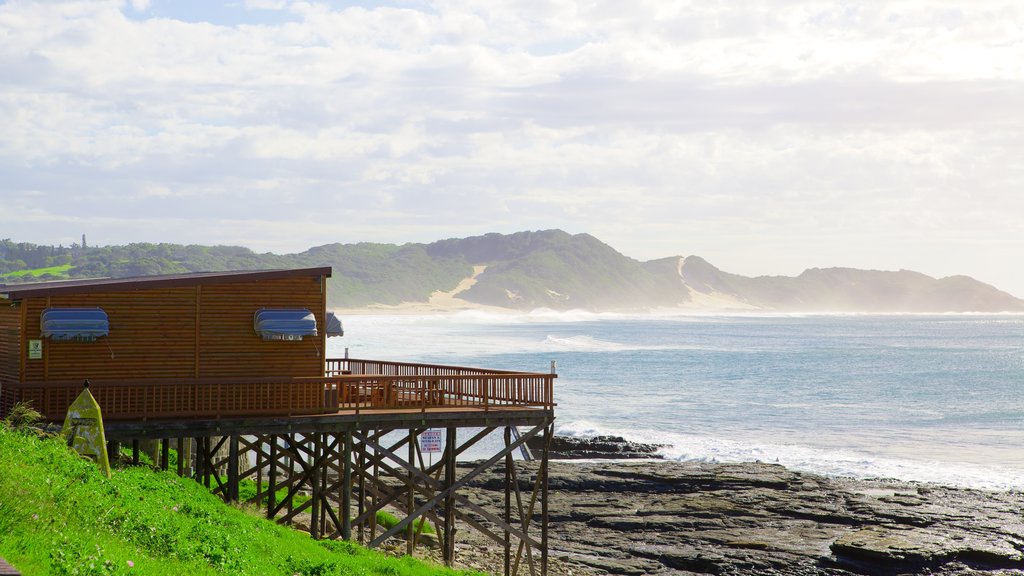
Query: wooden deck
point(351, 387)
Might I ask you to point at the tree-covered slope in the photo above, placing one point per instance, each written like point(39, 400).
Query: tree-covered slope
point(526, 270)
point(553, 269)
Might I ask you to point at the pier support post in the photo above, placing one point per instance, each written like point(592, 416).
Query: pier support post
point(165, 453)
point(314, 481)
point(181, 456)
point(346, 487)
point(449, 501)
point(362, 490)
point(508, 500)
point(232, 487)
point(272, 478)
point(549, 433)
point(410, 500)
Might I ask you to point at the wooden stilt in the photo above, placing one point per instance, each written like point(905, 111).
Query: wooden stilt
point(410, 496)
point(362, 490)
point(165, 453)
point(181, 456)
point(232, 488)
point(346, 486)
point(272, 478)
point(449, 502)
point(549, 433)
point(508, 501)
point(314, 515)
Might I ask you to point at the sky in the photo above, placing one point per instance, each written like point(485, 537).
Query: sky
point(764, 136)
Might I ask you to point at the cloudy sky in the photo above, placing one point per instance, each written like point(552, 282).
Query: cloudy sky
point(766, 136)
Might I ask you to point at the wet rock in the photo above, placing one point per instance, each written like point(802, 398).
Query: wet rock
point(597, 447)
point(673, 518)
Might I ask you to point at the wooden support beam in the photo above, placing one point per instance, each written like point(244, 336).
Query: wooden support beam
point(508, 503)
point(448, 493)
point(346, 481)
point(232, 487)
point(451, 440)
point(410, 501)
point(337, 464)
point(549, 433)
point(272, 477)
point(314, 482)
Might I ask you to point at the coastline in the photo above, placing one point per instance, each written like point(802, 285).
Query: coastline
point(635, 517)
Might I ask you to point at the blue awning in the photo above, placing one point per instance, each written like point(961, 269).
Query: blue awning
point(80, 324)
point(334, 327)
point(284, 323)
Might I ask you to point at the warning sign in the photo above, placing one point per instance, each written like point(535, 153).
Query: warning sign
point(83, 430)
point(430, 441)
point(35, 349)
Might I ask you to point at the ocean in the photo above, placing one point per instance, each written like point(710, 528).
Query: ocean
point(932, 398)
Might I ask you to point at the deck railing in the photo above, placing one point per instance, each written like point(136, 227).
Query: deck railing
point(338, 366)
point(350, 385)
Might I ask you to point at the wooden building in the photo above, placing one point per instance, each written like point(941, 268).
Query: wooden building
point(236, 362)
point(164, 346)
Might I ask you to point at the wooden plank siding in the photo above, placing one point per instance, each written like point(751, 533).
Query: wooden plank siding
point(159, 334)
point(151, 334)
point(228, 345)
point(11, 354)
point(173, 348)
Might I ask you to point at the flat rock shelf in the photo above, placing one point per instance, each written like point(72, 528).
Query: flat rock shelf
point(667, 517)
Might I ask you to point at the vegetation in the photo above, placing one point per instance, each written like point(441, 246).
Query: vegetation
point(364, 273)
point(526, 270)
point(388, 520)
point(59, 515)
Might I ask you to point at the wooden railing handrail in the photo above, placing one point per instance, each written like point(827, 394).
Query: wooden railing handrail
point(221, 397)
point(425, 367)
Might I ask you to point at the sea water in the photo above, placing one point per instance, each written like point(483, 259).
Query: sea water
point(926, 398)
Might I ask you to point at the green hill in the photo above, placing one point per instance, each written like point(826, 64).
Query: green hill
point(553, 269)
point(59, 515)
point(524, 271)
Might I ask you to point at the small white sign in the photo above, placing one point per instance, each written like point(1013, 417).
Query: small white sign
point(430, 441)
point(35, 349)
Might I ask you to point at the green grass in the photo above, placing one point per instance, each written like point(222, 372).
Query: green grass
point(247, 490)
point(387, 520)
point(59, 271)
point(59, 515)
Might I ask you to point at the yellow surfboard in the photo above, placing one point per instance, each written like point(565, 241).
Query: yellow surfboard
point(83, 430)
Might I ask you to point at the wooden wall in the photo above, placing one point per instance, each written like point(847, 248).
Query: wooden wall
point(228, 345)
point(189, 332)
point(10, 353)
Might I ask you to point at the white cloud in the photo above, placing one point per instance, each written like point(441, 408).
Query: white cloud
point(760, 133)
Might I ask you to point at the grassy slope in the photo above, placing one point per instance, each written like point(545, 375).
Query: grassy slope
point(59, 515)
point(57, 271)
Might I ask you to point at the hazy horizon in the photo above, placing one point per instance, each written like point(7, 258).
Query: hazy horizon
point(767, 138)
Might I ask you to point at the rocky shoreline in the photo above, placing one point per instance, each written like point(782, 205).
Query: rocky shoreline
point(679, 518)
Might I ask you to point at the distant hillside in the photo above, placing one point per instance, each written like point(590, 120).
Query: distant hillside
point(848, 290)
point(528, 270)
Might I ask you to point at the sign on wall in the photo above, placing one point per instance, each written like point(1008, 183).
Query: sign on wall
point(35, 349)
